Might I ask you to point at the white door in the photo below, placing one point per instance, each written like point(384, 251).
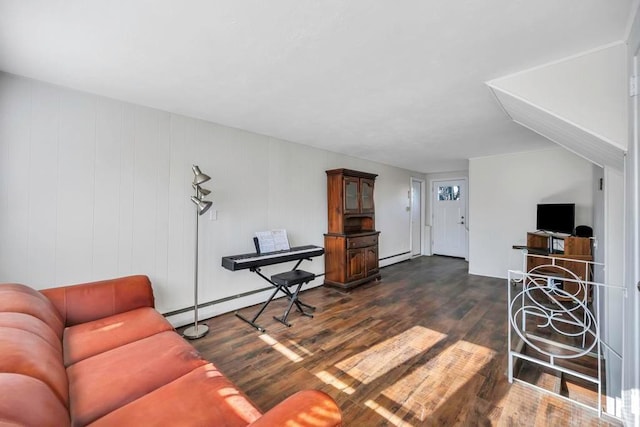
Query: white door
point(416, 217)
point(449, 225)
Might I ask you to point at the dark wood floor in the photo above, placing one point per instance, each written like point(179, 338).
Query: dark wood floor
point(424, 346)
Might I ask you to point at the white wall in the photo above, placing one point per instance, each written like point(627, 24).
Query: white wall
point(608, 220)
point(612, 318)
point(503, 193)
point(93, 188)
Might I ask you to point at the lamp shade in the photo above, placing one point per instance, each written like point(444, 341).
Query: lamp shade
point(201, 191)
point(203, 205)
point(199, 177)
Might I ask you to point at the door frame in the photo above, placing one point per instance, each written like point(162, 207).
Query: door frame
point(631, 340)
point(432, 200)
point(423, 245)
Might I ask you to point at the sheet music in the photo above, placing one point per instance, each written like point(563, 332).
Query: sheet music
point(272, 240)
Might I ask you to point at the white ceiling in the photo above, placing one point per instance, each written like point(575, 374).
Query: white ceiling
point(398, 82)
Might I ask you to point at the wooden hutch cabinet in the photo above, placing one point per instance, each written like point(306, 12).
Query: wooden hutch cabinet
point(351, 244)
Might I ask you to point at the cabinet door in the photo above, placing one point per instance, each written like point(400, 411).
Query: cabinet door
point(535, 240)
point(577, 246)
point(355, 264)
point(351, 195)
point(366, 193)
point(371, 259)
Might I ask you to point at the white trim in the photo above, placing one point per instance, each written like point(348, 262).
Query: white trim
point(395, 260)
point(491, 83)
point(466, 214)
point(569, 122)
point(247, 303)
point(631, 339)
point(422, 215)
point(632, 19)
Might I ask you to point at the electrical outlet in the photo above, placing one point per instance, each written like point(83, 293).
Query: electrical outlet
point(213, 215)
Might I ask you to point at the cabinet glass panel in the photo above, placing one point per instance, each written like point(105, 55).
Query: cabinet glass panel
point(351, 195)
point(367, 195)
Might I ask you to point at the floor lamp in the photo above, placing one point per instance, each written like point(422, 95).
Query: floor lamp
point(198, 331)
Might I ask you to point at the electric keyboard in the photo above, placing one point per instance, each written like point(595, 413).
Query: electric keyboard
point(254, 260)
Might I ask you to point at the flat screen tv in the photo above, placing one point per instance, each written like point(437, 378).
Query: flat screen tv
point(556, 217)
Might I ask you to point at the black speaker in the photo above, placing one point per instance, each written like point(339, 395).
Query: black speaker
point(583, 231)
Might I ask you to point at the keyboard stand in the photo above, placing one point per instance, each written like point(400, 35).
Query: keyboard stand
point(282, 286)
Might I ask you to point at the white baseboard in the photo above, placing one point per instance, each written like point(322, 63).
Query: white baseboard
point(204, 313)
point(229, 305)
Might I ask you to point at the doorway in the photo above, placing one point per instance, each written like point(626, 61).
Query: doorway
point(449, 217)
point(417, 225)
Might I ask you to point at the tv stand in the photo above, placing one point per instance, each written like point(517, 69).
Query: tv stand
point(554, 241)
point(569, 252)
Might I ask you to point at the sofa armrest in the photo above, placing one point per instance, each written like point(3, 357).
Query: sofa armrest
point(305, 408)
point(96, 300)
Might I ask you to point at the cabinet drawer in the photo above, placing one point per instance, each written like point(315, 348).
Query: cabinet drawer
point(361, 242)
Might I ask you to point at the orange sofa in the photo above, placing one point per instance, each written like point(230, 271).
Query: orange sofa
point(99, 354)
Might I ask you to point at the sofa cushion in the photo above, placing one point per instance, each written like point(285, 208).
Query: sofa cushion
point(22, 299)
point(91, 338)
point(28, 354)
point(102, 383)
point(208, 397)
point(26, 401)
point(33, 325)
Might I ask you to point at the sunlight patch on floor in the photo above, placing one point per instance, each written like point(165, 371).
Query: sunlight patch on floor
point(387, 355)
point(386, 414)
point(427, 387)
point(300, 348)
point(331, 380)
point(281, 348)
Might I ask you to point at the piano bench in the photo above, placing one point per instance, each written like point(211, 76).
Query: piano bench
point(288, 279)
point(292, 278)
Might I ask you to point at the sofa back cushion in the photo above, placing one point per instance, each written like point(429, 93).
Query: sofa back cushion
point(27, 354)
point(96, 300)
point(26, 401)
point(15, 298)
point(32, 325)
point(30, 343)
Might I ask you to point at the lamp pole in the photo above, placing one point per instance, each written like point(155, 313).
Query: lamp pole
point(197, 331)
